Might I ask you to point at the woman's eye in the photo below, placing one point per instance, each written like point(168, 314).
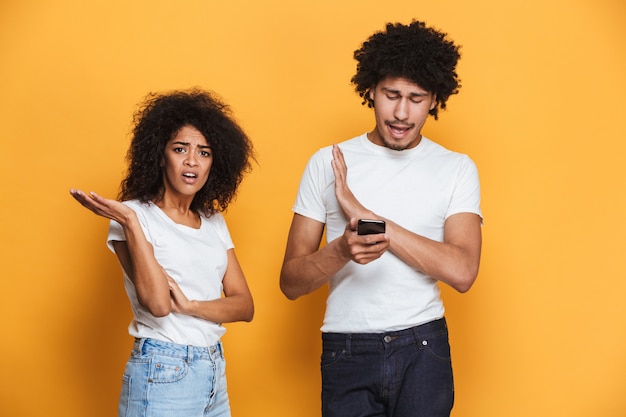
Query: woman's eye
point(205, 153)
point(179, 150)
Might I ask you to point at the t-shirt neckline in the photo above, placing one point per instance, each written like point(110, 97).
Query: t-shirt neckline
point(406, 153)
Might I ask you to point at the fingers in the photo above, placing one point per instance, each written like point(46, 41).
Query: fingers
point(352, 225)
point(178, 299)
point(364, 249)
point(87, 200)
point(111, 209)
point(81, 195)
point(78, 195)
point(348, 202)
point(172, 284)
point(339, 164)
point(368, 253)
point(338, 156)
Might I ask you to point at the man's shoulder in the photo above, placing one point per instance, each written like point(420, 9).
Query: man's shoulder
point(349, 145)
point(346, 144)
point(436, 149)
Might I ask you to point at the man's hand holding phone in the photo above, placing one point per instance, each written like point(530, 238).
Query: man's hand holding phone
point(364, 248)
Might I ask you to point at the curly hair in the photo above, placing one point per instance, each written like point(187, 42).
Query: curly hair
point(415, 52)
point(159, 119)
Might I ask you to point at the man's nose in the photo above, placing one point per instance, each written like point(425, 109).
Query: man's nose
point(401, 111)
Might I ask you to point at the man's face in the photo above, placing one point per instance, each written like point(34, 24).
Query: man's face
point(401, 108)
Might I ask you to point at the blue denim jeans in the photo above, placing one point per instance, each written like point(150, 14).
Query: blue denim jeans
point(164, 379)
point(404, 373)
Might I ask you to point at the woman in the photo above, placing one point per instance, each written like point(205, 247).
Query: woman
point(187, 158)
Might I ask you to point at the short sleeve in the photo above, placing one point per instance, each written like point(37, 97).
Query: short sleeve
point(466, 195)
point(222, 230)
point(310, 198)
point(116, 232)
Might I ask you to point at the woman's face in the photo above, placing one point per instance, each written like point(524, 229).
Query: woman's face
point(187, 162)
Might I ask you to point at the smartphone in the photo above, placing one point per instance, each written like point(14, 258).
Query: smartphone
point(370, 227)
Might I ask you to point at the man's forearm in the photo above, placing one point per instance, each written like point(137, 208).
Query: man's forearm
point(304, 274)
point(454, 262)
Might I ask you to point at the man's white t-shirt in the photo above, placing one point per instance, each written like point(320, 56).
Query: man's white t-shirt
point(418, 188)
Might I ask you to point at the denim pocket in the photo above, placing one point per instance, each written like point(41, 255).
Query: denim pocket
point(330, 357)
point(437, 345)
point(122, 407)
point(164, 369)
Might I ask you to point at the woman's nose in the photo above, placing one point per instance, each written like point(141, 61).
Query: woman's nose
point(192, 159)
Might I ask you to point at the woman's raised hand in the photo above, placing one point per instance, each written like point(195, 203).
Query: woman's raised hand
point(105, 207)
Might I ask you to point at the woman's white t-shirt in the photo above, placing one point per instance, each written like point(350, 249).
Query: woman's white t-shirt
point(195, 258)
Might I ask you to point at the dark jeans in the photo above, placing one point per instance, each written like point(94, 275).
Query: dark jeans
point(402, 373)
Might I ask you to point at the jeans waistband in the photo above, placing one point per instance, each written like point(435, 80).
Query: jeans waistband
point(187, 352)
point(416, 333)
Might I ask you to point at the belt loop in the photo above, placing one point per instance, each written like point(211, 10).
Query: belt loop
point(139, 345)
point(189, 354)
point(416, 335)
point(348, 345)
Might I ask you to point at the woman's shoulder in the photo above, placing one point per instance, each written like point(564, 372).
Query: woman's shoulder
point(139, 205)
point(216, 218)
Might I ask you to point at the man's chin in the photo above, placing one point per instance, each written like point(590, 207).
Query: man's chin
point(400, 145)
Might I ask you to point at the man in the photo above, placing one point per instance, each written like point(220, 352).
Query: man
point(385, 339)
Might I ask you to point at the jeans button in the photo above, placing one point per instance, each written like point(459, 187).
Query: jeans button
point(387, 339)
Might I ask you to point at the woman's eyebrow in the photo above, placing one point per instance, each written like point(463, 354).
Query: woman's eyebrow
point(180, 142)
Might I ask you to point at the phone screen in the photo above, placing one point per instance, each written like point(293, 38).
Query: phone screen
point(370, 227)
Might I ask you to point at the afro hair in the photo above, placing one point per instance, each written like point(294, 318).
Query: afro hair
point(415, 52)
point(158, 119)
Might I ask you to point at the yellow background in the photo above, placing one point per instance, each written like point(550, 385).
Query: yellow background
point(541, 112)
